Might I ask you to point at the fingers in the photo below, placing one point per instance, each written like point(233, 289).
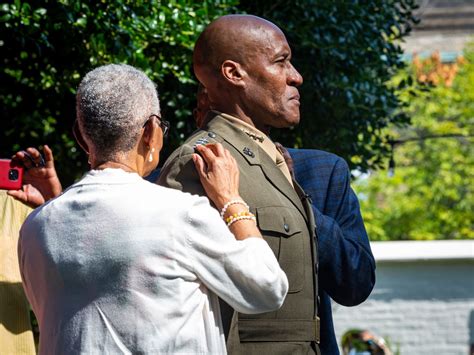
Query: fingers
point(229, 157)
point(206, 153)
point(29, 158)
point(279, 147)
point(23, 159)
point(214, 155)
point(19, 195)
point(200, 165)
point(29, 195)
point(17, 159)
point(48, 156)
point(219, 150)
point(35, 157)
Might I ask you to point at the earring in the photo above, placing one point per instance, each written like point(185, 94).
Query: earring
point(150, 158)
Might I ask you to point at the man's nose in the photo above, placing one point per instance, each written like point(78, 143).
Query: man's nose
point(294, 77)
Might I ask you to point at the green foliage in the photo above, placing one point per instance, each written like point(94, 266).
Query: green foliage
point(48, 46)
point(347, 53)
point(431, 194)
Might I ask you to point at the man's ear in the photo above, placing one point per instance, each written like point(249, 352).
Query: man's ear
point(79, 138)
point(233, 72)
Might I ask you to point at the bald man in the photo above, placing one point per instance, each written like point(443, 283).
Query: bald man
point(245, 64)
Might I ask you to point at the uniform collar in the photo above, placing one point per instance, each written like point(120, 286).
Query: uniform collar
point(262, 140)
point(252, 153)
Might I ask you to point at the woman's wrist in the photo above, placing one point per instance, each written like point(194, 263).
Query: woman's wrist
point(245, 215)
point(231, 204)
point(236, 210)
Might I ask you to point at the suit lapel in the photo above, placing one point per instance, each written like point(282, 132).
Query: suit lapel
point(255, 155)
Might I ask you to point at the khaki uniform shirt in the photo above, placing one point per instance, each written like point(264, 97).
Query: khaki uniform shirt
point(16, 336)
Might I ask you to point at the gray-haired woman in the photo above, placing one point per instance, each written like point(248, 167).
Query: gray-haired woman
point(119, 265)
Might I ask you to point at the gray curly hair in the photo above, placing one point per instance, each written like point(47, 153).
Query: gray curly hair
point(112, 104)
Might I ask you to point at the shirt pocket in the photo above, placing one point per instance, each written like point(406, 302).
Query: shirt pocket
point(282, 229)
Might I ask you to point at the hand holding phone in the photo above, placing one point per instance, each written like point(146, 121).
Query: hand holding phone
point(40, 181)
point(11, 176)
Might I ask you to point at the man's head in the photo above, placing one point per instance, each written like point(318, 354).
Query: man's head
point(244, 63)
point(113, 102)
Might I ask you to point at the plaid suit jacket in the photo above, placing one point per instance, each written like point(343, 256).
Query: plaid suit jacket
point(346, 263)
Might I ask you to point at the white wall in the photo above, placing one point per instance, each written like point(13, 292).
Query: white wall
point(423, 302)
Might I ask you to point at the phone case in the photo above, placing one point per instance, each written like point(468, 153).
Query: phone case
point(11, 177)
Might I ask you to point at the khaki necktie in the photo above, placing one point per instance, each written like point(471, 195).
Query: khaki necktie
point(281, 164)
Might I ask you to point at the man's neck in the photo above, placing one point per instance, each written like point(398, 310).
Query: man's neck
point(240, 114)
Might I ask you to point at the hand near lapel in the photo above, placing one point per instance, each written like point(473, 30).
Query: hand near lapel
point(287, 157)
point(218, 172)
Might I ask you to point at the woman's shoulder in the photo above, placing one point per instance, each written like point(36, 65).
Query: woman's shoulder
point(173, 195)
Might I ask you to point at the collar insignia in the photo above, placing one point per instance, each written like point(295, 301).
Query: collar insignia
point(248, 151)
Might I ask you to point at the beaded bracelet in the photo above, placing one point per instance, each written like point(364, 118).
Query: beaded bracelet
point(233, 220)
point(239, 214)
point(232, 202)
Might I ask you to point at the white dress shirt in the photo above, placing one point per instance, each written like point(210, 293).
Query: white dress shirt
point(120, 265)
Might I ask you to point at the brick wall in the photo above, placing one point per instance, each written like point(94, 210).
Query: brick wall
point(419, 306)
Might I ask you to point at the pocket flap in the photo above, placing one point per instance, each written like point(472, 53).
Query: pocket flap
point(278, 219)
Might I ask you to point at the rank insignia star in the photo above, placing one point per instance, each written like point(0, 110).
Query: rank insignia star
point(201, 141)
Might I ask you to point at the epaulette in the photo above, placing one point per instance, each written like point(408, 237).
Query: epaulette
point(205, 139)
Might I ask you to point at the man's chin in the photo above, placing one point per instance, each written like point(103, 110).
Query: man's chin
point(292, 121)
point(286, 121)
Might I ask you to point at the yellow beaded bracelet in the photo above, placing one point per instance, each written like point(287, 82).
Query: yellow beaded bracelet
point(241, 218)
point(239, 214)
point(232, 219)
point(232, 202)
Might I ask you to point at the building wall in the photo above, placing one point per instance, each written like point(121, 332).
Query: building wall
point(420, 307)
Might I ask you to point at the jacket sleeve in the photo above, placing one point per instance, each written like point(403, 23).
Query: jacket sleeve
point(347, 266)
point(244, 273)
point(179, 173)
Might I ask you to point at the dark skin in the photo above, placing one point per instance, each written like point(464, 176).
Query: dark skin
point(245, 64)
point(203, 106)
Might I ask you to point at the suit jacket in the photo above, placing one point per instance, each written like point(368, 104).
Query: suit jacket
point(346, 263)
point(285, 219)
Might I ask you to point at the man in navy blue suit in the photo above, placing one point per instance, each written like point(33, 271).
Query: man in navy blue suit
point(346, 263)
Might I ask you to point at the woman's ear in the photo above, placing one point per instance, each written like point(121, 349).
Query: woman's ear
point(152, 134)
point(233, 72)
point(79, 138)
point(149, 131)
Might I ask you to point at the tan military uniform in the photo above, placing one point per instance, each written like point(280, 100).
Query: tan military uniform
point(286, 221)
point(16, 336)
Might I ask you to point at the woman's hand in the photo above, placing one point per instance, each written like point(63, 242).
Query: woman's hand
point(218, 172)
point(40, 181)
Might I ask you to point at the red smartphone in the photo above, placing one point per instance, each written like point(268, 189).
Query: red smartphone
point(11, 177)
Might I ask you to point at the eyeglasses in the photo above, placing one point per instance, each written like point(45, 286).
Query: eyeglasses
point(164, 125)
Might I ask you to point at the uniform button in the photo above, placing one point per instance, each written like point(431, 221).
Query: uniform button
point(286, 227)
point(212, 134)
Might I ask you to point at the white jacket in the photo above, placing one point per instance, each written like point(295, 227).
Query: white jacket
point(120, 265)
